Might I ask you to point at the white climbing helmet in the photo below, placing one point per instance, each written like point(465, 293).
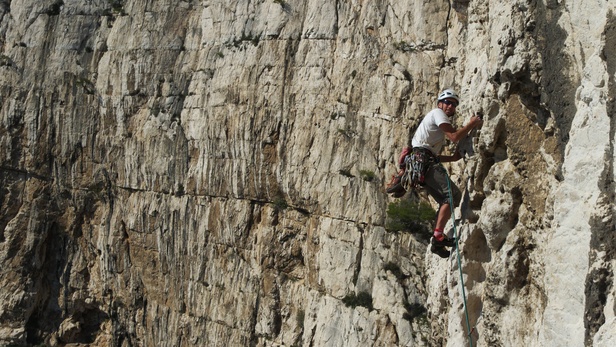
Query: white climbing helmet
point(448, 94)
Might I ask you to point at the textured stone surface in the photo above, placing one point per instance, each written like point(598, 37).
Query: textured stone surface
point(197, 173)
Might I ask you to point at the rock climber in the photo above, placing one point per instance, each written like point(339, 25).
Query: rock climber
point(428, 141)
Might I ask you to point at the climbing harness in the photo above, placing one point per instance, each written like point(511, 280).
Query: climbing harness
point(417, 164)
point(413, 166)
point(455, 234)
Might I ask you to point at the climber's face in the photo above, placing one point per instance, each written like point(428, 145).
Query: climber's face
point(448, 106)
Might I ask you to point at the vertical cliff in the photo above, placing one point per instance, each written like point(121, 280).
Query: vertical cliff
point(211, 173)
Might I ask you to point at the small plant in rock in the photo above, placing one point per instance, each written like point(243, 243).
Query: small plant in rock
point(367, 175)
point(280, 203)
point(363, 299)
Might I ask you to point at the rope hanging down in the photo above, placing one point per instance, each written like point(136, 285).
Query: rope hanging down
point(455, 235)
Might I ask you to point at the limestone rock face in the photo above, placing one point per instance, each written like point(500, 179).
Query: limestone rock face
point(211, 173)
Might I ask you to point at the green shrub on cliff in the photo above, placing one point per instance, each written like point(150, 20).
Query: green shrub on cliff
point(409, 215)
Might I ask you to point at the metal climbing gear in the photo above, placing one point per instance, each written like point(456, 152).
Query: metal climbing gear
point(417, 164)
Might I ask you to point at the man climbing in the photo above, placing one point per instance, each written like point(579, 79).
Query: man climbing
point(428, 141)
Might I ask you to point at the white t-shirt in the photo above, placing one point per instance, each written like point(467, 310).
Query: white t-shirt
point(428, 134)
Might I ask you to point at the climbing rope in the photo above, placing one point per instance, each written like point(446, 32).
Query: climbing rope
point(455, 235)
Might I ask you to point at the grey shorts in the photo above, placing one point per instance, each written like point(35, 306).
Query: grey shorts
point(436, 185)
